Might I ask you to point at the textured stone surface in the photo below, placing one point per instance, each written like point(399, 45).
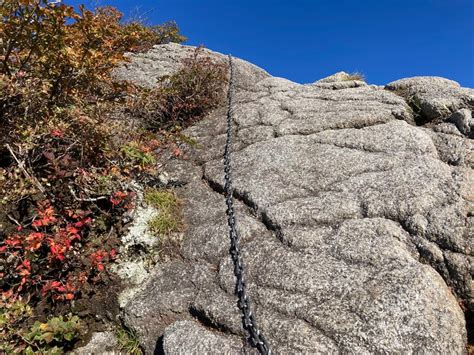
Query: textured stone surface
point(103, 343)
point(183, 336)
point(434, 97)
point(340, 80)
point(356, 225)
point(463, 119)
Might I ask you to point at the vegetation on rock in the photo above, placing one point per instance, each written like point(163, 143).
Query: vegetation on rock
point(128, 342)
point(167, 220)
point(356, 76)
point(185, 96)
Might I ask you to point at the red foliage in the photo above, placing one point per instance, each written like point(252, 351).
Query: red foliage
point(58, 244)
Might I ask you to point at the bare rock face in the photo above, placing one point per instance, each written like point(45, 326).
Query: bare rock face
point(104, 343)
point(356, 224)
point(434, 97)
point(463, 119)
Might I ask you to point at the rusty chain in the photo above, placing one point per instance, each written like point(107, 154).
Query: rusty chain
point(255, 337)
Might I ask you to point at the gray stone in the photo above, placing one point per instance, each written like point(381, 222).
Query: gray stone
point(337, 77)
point(434, 97)
point(452, 149)
point(463, 120)
point(356, 225)
point(340, 80)
point(447, 128)
point(164, 299)
point(188, 337)
point(101, 343)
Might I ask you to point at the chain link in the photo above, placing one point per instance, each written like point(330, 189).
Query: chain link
point(255, 337)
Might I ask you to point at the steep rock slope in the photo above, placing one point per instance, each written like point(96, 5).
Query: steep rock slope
point(357, 223)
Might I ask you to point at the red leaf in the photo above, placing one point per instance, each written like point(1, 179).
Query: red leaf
point(57, 133)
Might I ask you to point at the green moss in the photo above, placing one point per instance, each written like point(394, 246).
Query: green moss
point(162, 199)
point(168, 218)
point(164, 223)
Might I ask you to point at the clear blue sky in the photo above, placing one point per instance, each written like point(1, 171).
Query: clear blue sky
point(305, 40)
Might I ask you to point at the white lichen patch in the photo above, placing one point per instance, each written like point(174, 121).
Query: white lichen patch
point(138, 233)
point(133, 273)
point(136, 250)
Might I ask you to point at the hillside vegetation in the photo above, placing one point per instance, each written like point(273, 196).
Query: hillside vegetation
point(72, 141)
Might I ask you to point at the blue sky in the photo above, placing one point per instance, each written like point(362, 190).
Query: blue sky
point(305, 40)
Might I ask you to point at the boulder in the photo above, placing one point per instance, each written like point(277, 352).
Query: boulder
point(433, 97)
point(463, 120)
point(356, 224)
point(104, 343)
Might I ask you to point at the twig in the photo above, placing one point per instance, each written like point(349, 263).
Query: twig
point(14, 220)
point(67, 150)
point(90, 199)
point(21, 165)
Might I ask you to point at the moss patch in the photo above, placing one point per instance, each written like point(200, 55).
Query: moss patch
point(164, 200)
point(166, 222)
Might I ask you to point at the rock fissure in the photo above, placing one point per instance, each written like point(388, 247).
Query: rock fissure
point(253, 209)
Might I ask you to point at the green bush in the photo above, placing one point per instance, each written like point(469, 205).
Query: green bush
point(54, 335)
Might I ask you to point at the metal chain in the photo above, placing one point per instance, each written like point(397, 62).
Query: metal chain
point(255, 337)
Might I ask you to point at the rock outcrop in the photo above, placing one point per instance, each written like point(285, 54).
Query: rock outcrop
point(356, 221)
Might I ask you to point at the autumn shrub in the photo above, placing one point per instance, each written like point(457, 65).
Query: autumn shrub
point(355, 76)
point(65, 179)
point(69, 160)
point(74, 52)
point(12, 317)
point(145, 37)
point(185, 96)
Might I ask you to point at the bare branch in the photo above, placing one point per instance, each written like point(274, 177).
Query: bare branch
point(21, 165)
point(90, 199)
